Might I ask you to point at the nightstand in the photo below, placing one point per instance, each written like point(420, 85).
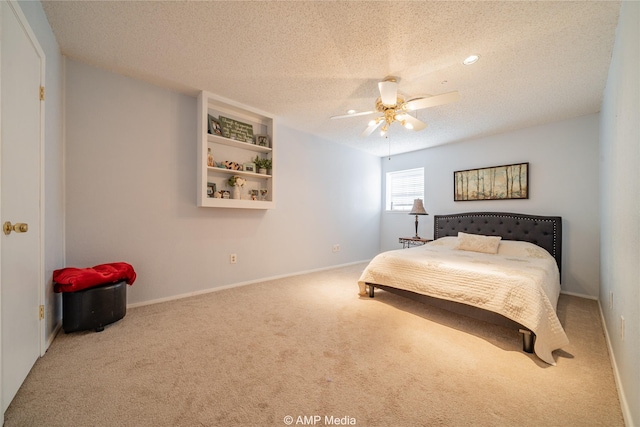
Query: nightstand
point(408, 242)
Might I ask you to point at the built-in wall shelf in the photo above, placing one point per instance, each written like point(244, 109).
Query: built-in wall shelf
point(239, 149)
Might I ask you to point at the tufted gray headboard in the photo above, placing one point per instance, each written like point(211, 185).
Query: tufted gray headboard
point(544, 231)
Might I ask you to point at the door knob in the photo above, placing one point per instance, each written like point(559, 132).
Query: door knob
point(18, 227)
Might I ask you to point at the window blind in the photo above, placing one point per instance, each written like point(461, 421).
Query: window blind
point(403, 187)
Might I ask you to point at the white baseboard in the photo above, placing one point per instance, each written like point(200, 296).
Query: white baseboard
point(624, 405)
point(235, 285)
point(52, 336)
point(575, 294)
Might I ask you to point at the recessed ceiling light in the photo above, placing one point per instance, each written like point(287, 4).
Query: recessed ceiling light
point(471, 60)
point(351, 111)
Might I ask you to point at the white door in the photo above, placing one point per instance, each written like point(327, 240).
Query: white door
point(22, 65)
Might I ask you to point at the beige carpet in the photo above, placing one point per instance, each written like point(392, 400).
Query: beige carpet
point(308, 346)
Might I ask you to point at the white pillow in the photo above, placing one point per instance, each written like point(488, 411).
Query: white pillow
point(478, 243)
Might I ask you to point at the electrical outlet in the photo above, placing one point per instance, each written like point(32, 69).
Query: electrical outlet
point(336, 247)
point(233, 258)
point(622, 328)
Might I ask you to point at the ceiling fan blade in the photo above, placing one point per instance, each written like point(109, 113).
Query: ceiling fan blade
point(369, 130)
point(343, 116)
point(415, 123)
point(432, 101)
point(388, 92)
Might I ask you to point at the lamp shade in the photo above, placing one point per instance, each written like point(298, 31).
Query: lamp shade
point(418, 208)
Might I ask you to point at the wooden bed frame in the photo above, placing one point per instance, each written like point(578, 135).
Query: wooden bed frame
point(544, 231)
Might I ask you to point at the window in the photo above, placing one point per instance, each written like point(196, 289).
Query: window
point(402, 188)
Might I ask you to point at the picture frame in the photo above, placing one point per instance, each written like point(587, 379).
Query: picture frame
point(211, 189)
point(492, 183)
point(261, 140)
point(214, 126)
point(234, 129)
point(249, 167)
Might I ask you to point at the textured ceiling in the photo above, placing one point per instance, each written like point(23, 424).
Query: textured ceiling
point(307, 61)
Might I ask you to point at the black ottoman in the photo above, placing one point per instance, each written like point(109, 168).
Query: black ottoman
point(94, 308)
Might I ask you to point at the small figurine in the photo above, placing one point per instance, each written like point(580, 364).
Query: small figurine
point(210, 161)
point(231, 165)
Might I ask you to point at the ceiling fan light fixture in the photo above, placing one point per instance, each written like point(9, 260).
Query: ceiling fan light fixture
point(392, 107)
point(388, 91)
point(472, 59)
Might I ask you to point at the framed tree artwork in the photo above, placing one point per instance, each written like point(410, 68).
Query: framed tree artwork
point(492, 183)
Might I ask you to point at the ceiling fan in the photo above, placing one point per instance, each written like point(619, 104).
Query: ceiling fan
point(394, 108)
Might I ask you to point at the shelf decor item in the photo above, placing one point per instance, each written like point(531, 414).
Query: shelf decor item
point(232, 165)
point(267, 164)
point(263, 165)
point(214, 126)
point(262, 140)
point(236, 182)
point(211, 189)
point(249, 167)
point(234, 129)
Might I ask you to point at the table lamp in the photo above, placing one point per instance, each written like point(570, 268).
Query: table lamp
point(417, 209)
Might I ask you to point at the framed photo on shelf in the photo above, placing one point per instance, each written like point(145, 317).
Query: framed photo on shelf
point(214, 126)
point(249, 167)
point(262, 140)
point(211, 189)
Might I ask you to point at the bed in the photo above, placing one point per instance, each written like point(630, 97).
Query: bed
point(503, 268)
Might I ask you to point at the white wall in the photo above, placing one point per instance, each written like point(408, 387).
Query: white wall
point(563, 181)
point(620, 205)
point(131, 195)
point(53, 160)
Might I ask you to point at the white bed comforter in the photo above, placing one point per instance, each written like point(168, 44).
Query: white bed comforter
point(520, 282)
